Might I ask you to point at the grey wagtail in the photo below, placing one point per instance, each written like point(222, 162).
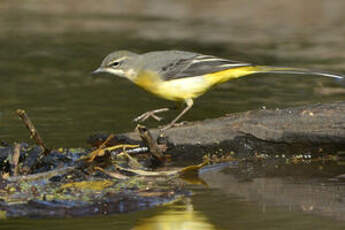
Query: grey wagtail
point(183, 76)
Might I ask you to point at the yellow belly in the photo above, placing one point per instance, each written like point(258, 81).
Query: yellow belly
point(188, 87)
point(174, 90)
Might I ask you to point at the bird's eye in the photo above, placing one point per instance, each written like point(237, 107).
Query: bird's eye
point(115, 64)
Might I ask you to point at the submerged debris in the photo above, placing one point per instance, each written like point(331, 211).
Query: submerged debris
point(114, 176)
point(75, 186)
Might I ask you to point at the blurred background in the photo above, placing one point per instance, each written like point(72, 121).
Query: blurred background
point(49, 48)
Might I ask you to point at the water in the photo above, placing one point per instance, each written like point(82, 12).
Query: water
point(48, 50)
point(217, 207)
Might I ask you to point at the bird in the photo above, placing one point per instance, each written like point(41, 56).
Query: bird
point(182, 76)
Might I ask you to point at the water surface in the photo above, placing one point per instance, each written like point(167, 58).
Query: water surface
point(48, 50)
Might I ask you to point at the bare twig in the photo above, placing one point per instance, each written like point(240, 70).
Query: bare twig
point(104, 144)
point(132, 162)
point(33, 131)
point(43, 175)
point(100, 151)
point(192, 169)
point(112, 174)
point(15, 159)
point(146, 136)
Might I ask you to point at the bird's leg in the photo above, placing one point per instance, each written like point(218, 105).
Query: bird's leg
point(152, 114)
point(189, 103)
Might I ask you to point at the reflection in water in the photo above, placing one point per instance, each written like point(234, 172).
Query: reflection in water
point(228, 202)
point(177, 217)
point(50, 47)
point(293, 189)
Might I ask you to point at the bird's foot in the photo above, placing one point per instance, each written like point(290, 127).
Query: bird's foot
point(152, 114)
point(171, 125)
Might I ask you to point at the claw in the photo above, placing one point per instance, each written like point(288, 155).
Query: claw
point(149, 114)
point(164, 128)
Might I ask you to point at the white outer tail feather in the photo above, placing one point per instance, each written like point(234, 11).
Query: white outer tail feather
point(289, 70)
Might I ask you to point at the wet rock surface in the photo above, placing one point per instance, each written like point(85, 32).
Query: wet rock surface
point(315, 129)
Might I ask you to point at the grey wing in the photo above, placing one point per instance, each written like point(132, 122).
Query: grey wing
point(197, 66)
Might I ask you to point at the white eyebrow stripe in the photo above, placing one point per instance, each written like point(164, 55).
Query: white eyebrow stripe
point(118, 60)
point(204, 56)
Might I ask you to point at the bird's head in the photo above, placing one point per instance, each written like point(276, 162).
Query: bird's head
point(119, 63)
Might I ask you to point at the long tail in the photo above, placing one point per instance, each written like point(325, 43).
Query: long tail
point(232, 73)
point(291, 70)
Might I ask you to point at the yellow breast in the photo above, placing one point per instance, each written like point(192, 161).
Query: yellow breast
point(174, 90)
point(187, 87)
